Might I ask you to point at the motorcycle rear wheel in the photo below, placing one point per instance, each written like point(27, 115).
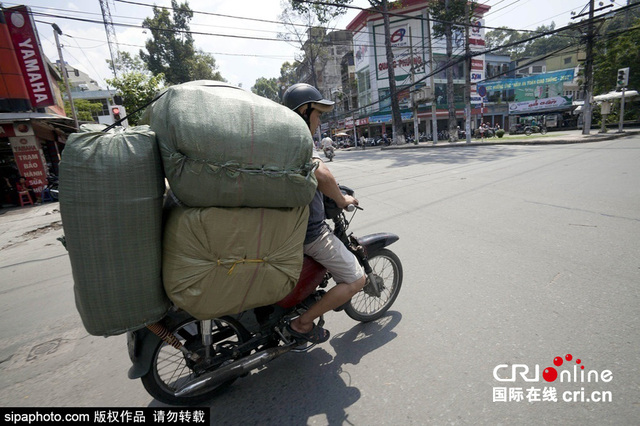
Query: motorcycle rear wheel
point(366, 306)
point(170, 370)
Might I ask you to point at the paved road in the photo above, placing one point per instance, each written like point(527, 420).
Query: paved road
point(513, 255)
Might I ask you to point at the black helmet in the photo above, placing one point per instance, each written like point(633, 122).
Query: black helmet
point(303, 93)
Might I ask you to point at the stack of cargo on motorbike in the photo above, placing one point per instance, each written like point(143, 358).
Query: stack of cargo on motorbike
point(242, 165)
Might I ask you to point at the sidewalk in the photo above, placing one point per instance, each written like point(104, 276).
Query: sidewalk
point(21, 224)
point(551, 138)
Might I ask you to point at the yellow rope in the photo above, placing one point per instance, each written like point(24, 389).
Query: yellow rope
point(234, 263)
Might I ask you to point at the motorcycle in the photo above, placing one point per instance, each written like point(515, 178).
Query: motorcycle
point(184, 361)
point(529, 129)
point(52, 186)
point(329, 153)
point(535, 129)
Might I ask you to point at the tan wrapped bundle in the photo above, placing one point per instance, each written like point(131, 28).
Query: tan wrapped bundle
point(222, 261)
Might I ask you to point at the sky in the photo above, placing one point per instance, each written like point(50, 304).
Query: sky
point(240, 60)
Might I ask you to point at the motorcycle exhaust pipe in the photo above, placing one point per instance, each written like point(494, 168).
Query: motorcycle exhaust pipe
point(233, 370)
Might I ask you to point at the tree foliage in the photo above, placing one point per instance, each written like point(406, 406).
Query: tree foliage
point(135, 84)
point(505, 36)
point(171, 51)
point(615, 52)
point(273, 88)
point(306, 30)
point(85, 109)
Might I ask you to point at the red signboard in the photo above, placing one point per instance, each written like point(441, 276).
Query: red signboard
point(6, 130)
point(477, 64)
point(28, 155)
point(13, 92)
point(29, 54)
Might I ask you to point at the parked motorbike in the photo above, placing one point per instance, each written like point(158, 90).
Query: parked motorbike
point(529, 129)
point(52, 186)
point(329, 153)
point(184, 361)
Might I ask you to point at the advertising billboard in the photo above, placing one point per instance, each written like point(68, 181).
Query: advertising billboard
point(29, 55)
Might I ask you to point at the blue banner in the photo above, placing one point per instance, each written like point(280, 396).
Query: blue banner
point(528, 82)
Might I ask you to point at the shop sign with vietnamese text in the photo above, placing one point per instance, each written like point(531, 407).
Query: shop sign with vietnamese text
point(28, 156)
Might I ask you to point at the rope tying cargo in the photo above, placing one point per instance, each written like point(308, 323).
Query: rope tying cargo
point(235, 262)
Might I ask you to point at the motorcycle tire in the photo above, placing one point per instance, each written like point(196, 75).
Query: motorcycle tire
point(170, 370)
point(543, 130)
point(527, 131)
point(365, 306)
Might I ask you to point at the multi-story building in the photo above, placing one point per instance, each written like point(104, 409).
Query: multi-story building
point(410, 41)
point(330, 55)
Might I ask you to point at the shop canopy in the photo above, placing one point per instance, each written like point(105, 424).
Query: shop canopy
point(615, 95)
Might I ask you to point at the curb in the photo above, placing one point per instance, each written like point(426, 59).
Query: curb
point(578, 139)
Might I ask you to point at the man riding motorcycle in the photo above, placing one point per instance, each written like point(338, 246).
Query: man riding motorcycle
point(327, 146)
point(320, 243)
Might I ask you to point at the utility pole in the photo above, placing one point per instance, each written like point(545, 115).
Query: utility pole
point(434, 111)
point(467, 75)
point(396, 118)
point(63, 69)
point(588, 74)
point(414, 101)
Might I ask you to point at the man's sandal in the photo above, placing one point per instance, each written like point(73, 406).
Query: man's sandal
point(316, 335)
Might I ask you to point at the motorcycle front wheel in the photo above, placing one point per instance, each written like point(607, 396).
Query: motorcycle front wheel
point(543, 130)
point(171, 370)
point(366, 306)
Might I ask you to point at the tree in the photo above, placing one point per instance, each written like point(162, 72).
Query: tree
point(268, 88)
point(304, 29)
point(171, 50)
point(273, 88)
point(619, 49)
point(135, 84)
point(446, 13)
point(324, 13)
point(85, 109)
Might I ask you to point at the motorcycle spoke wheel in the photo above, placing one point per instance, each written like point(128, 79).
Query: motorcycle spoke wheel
point(171, 371)
point(366, 306)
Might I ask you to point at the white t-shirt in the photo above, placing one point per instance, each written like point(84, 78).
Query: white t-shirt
point(326, 142)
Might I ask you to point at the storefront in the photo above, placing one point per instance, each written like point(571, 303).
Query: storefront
point(30, 146)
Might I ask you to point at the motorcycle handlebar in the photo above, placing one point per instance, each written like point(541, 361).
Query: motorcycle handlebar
point(352, 207)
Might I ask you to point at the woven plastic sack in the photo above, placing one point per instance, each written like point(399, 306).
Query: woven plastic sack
point(222, 261)
point(111, 188)
point(225, 147)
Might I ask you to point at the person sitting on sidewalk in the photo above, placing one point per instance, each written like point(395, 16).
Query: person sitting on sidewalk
point(22, 186)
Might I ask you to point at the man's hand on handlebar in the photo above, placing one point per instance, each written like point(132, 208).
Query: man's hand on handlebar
point(346, 201)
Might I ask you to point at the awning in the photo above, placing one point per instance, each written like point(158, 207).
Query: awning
point(64, 123)
point(615, 95)
point(9, 117)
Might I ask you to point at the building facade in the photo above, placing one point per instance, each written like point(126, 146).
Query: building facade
point(412, 42)
point(33, 125)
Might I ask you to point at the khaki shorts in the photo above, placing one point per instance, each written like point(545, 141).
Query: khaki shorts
point(329, 251)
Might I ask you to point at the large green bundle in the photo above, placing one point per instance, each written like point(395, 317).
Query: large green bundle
point(223, 146)
point(111, 187)
point(221, 261)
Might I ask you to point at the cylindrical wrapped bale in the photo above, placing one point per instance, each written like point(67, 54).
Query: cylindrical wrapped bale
point(222, 146)
point(222, 261)
point(111, 188)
